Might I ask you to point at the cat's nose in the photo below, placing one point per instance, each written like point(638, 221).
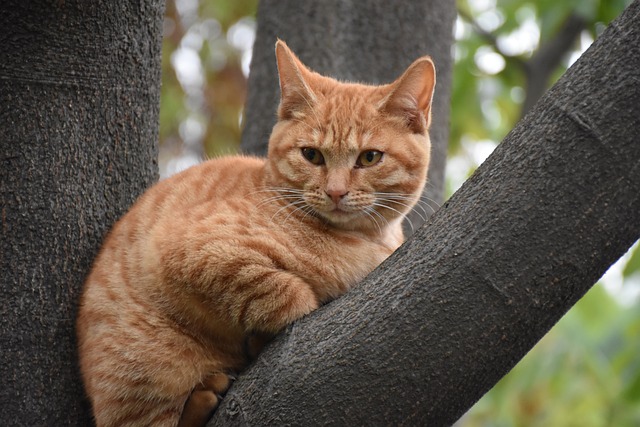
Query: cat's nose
point(336, 194)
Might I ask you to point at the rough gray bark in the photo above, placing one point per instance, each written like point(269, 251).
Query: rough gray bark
point(79, 98)
point(452, 311)
point(357, 40)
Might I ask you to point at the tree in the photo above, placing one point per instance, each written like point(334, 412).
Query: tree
point(79, 99)
point(447, 315)
point(96, 83)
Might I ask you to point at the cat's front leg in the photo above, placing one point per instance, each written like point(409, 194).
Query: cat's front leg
point(271, 299)
point(264, 302)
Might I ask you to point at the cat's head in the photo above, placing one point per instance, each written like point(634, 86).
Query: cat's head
point(354, 155)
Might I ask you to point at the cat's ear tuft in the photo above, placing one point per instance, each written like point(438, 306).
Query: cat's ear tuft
point(410, 95)
point(295, 94)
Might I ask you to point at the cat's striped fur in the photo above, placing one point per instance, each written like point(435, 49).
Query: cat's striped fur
point(239, 247)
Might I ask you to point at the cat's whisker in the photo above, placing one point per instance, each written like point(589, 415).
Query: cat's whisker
point(306, 210)
point(293, 197)
point(422, 216)
point(421, 202)
point(421, 205)
point(278, 198)
point(297, 208)
point(382, 218)
point(276, 190)
point(369, 211)
point(413, 228)
point(385, 206)
point(286, 206)
point(374, 210)
point(263, 190)
point(281, 193)
point(400, 199)
point(382, 205)
point(429, 201)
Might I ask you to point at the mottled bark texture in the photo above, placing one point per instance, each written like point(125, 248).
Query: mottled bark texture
point(370, 41)
point(79, 102)
point(452, 311)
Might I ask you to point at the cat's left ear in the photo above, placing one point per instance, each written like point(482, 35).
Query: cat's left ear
point(411, 95)
point(295, 94)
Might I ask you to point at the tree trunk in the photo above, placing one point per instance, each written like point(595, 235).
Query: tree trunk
point(357, 40)
point(453, 310)
point(79, 98)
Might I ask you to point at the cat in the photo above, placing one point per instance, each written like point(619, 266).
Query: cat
point(212, 262)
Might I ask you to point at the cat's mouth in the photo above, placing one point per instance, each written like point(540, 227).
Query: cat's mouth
point(337, 208)
point(340, 212)
point(338, 215)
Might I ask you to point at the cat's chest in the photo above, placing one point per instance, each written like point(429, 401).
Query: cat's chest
point(334, 263)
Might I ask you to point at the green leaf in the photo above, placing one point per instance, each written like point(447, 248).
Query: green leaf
point(632, 392)
point(633, 265)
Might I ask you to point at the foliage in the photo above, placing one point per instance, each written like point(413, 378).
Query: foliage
point(206, 54)
point(585, 372)
point(496, 46)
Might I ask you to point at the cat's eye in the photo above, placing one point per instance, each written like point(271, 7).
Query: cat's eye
point(312, 155)
point(368, 158)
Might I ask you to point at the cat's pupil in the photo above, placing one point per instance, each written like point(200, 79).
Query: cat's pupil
point(312, 155)
point(368, 158)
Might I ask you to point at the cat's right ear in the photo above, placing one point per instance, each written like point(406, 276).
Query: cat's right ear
point(295, 94)
point(411, 95)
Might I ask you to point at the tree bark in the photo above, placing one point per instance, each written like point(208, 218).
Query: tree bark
point(357, 40)
point(456, 307)
point(79, 102)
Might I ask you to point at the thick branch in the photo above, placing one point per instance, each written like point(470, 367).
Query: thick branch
point(79, 108)
point(547, 59)
point(439, 323)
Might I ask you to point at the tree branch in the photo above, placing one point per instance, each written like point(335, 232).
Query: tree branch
point(491, 39)
point(543, 63)
point(453, 310)
point(547, 58)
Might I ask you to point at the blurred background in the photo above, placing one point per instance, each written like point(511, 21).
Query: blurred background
point(586, 371)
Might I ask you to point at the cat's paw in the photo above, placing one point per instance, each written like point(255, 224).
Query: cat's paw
point(204, 399)
point(285, 299)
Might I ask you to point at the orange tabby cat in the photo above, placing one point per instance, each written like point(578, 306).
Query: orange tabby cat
point(239, 246)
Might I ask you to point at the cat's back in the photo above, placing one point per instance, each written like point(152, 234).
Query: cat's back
point(213, 181)
point(202, 189)
point(214, 187)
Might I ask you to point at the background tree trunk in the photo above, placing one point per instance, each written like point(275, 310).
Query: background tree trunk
point(454, 309)
point(357, 40)
point(79, 98)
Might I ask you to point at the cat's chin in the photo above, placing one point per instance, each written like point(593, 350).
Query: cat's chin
point(346, 220)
